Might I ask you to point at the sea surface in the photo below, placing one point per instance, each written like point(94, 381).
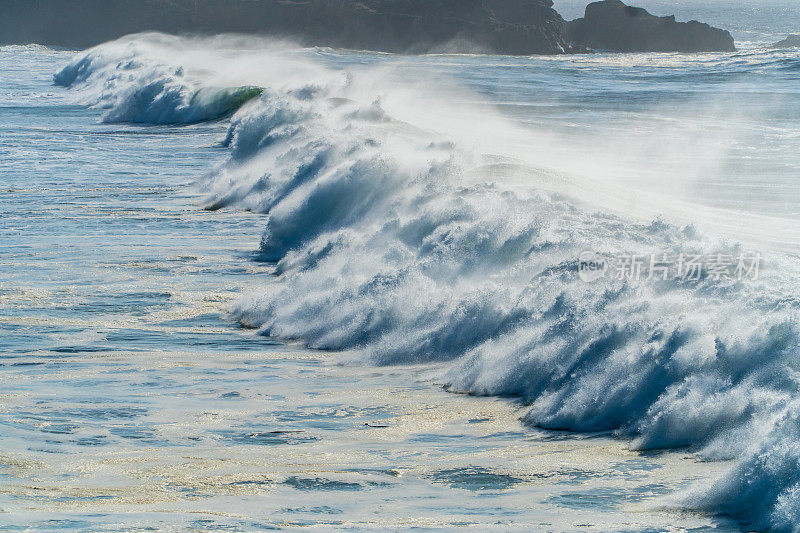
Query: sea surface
point(250, 286)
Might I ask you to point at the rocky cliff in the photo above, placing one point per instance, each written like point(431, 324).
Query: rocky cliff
point(613, 25)
point(518, 27)
point(503, 26)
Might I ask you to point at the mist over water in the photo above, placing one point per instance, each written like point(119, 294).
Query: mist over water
point(706, 139)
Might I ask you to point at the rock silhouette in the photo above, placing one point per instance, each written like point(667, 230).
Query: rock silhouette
point(613, 25)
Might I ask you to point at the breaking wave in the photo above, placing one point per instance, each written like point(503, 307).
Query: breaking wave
point(396, 243)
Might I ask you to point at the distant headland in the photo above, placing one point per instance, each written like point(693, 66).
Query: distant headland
point(515, 27)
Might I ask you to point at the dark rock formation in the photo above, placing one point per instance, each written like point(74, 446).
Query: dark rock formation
point(792, 41)
point(612, 25)
point(503, 26)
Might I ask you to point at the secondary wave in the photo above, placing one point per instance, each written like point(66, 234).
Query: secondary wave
point(395, 244)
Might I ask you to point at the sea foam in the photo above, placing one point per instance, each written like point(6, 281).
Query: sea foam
point(388, 248)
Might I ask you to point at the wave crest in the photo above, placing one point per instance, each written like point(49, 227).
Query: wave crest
point(385, 249)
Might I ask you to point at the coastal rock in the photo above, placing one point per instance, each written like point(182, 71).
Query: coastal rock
point(792, 41)
point(613, 25)
point(501, 26)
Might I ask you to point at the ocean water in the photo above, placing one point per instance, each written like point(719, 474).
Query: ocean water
point(249, 286)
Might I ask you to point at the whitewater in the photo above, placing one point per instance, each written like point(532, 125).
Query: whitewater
point(431, 213)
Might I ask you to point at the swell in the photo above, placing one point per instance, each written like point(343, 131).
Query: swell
point(135, 88)
point(389, 249)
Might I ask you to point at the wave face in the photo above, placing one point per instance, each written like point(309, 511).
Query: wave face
point(398, 243)
point(136, 82)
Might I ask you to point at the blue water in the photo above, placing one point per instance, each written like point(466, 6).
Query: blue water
point(179, 285)
point(131, 400)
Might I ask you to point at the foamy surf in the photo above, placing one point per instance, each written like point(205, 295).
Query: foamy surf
point(395, 243)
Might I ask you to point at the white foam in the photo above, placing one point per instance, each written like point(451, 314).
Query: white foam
point(395, 243)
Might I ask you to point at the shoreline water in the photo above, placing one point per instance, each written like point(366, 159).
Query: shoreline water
point(222, 453)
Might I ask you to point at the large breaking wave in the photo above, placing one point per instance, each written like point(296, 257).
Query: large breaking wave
point(397, 244)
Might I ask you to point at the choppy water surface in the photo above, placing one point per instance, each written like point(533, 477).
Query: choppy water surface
point(130, 401)
point(419, 218)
